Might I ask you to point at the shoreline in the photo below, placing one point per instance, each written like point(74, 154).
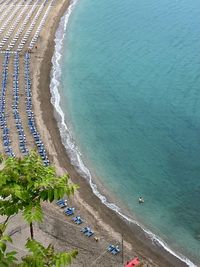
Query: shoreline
point(47, 125)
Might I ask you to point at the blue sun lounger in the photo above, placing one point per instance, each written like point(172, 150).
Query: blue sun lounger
point(62, 203)
point(69, 211)
point(80, 221)
point(89, 233)
point(77, 220)
point(85, 230)
point(110, 248)
point(115, 251)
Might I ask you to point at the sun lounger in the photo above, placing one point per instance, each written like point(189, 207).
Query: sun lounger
point(60, 201)
point(115, 251)
point(85, 230)
point(63, 204)
point(89, 233)
point(69, 211)
point(77, 220)
point(80, 221)
point(110, 248)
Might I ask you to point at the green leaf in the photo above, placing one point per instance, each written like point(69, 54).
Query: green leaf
point(50, 195)
point(2, 246)
point(44, 195)
point(4, 264)
point(25, 182)
point(74, 253)
point(6, 238)
point(33, 213)
point(64, 258)
point(11, 256)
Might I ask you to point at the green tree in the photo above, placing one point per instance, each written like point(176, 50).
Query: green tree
point(25, 183)
point(6, 258)
point(38, 255)
point(45, 257)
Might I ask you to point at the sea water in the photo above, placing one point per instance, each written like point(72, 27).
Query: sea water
point(130, 94)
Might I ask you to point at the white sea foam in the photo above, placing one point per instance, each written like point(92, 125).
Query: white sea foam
point(69, 142)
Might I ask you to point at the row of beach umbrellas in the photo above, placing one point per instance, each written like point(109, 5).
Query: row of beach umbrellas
point(18, 121)
point(15, 109)
point(9, 18)
point(15, 23)
point(3, 116)
point(41, 25)
point(30, 114)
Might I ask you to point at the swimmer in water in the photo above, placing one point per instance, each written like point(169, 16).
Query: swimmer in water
point(141, 200)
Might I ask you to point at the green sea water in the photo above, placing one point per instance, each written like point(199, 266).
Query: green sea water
point(131, 94)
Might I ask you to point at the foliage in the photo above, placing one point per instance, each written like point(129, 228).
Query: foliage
point(43, 257)
point(1, 158)
point(24, 183)
point(6, 258)
point(38, 255)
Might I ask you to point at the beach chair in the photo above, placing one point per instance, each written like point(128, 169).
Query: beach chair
point(85, 230)
point(69, 211)
point(110, 248)
point(89, 233)
point(60, 201)
point(115, 251)
point(77, 220)
point(63, 204)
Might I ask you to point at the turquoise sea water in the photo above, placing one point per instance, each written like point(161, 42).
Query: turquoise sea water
point(131, 93)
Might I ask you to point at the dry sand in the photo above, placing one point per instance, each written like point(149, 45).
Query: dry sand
point(57, 228)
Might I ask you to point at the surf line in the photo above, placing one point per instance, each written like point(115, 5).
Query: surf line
point(69, 143)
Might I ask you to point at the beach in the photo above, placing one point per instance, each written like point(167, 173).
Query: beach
point(107, 225)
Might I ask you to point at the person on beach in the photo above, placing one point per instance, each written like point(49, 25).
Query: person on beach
point(141, 200)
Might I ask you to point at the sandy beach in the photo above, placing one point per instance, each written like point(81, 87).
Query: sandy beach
point(57, 228)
